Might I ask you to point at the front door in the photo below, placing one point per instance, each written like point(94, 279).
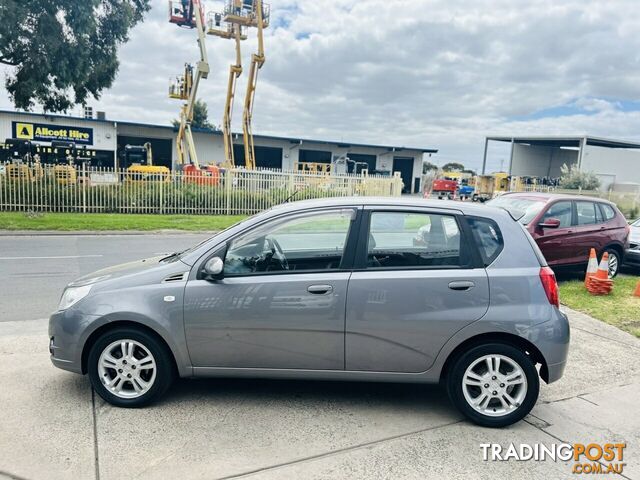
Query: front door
point(281, 303)
point(417, 286)
point(555, 243)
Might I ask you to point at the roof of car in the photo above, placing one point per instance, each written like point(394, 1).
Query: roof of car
point(404, 201)
point(554, 196)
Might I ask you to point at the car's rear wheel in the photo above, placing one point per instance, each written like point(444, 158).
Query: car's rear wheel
point(129, 367)
point(614, 262)
point(493, 385)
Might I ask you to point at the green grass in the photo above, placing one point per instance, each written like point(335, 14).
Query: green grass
point(620, 309)
point(114, 221)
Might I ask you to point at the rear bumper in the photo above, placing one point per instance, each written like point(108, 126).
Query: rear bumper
point(552, 339)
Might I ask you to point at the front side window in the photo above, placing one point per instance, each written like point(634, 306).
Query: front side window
point(586, 213)
point(303, 243)
point(561, 211)
point(409, 240)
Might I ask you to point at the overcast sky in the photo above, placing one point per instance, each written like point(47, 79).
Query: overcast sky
point(425, 73)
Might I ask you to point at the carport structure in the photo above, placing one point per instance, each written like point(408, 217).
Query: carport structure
point(543, 156)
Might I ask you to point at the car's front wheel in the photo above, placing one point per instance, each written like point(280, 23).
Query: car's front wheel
point(129, 367)
point(493, 385)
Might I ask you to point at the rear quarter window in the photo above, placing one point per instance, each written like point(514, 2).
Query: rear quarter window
point(488, 238)
point(608, 212)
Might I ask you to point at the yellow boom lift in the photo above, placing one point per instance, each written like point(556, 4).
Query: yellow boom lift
point(229, 31)
point(189, 14)
point(257, 15)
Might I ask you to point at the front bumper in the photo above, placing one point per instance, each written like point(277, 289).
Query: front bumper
point(632, 257)
point(65, 333)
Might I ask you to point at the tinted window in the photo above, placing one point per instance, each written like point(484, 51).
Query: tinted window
point(608, 211)
point(488, 238)
point(586, 212)
point(561, 211)
point(599, 217)
point(406, 240)
point(302, 243)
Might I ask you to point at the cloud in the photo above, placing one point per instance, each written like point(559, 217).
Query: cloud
point(427, 73)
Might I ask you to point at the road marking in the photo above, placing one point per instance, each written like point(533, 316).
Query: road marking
point(51, 258)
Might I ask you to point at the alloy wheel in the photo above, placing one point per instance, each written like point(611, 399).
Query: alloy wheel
point(613, 265)
point(127, 368)
point(494, 385)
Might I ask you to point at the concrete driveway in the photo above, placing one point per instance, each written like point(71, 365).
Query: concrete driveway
point(53, 426)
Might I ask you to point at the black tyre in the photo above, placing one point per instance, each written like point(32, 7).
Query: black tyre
point(493, 385)
point(129, 367)
point(615, 262)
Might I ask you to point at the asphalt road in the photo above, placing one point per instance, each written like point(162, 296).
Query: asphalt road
point(34, 270)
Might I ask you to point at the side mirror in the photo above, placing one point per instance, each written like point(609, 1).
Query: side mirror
point(214, 268)
point(550, 223)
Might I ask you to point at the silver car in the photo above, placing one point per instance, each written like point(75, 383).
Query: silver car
point(390, 290)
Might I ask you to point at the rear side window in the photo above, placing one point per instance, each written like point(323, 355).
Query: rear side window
point(608, 212)
point(412, 240)
point(586, 213)
point(488, 238)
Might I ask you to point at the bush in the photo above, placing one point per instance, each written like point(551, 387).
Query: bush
point(572, 178)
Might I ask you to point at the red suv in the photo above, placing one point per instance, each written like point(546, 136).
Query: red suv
point(566, 227)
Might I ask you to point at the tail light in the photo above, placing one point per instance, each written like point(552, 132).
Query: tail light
point(548, 279)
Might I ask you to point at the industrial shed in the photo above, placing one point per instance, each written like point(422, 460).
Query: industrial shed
point(613, 161)
point(109, 138)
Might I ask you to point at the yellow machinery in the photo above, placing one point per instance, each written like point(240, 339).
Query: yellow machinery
point(229, 31)
point(238, 15)
point(23, 165)
point(257, 16)
point(140, 167)
point(502, 183)
point(186, 88)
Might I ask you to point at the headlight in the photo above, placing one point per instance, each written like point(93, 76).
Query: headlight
point(73, 295)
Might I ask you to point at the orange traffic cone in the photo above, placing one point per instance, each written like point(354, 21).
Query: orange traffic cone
point(603, 268)
point(592, 267)
point(636, 293)
point(600, 284)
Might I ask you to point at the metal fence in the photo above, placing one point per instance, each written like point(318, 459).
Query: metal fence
point(233, 192)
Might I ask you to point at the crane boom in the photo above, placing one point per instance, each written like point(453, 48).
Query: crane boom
point(184, 142)
point(257, 61)
point(234, 73)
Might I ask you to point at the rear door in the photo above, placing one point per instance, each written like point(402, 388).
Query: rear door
point(588, 228)
point(415, 285)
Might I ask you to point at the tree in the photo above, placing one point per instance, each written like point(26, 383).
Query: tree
point(573, 179)
point(63, 51)
point(427, 166)
point(200, 117)
point(453, 167)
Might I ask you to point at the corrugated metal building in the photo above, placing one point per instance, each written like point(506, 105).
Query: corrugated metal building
point(109, 138)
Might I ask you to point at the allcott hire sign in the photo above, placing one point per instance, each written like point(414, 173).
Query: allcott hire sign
point(41, 132)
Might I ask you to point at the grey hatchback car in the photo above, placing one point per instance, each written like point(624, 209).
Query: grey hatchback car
point(391, 290)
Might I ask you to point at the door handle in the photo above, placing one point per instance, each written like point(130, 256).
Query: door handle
point(320, 289)
point(461, 285)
